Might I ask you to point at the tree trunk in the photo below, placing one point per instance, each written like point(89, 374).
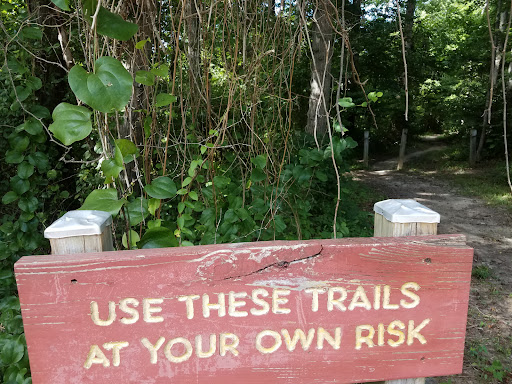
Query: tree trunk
point(322, 47)
point(496, 55)
point(131, 127)
point(193, 26)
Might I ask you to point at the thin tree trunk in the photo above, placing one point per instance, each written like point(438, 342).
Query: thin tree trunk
point(322, 48)
point(496, 56)
point(193, 26)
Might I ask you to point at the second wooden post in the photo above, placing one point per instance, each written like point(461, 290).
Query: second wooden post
point(399, 217)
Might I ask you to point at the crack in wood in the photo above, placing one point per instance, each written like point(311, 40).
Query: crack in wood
point(279, 264)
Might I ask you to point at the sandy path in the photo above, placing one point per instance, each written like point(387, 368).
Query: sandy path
point(489, 232)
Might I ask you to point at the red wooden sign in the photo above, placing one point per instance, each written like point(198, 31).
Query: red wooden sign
point(344, 311)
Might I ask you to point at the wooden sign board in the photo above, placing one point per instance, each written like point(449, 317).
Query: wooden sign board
point(330, 311)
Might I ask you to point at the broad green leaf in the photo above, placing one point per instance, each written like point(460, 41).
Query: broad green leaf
point(321, 175)
point(373, 96)
point(71, 123)
point(9, 197)
point(181, 222)
point(279, 224)
point(110, 170)
point(346, 102)
point(182, 191)
point(137, 210)
point(161, 188)
point(5, 274)
point(258, 175)
point(14, 157)
point(114, 26)
point(19, 185)
point(154, 223)
point(260, 161)
point(108, 23)
point(127, 148)
point(134, 239)
point(161, 70)
point(28, 204)
point(141, 44)
point(21, 143)
point(193, 166)
point(230, 216)
point(12, 352)
point(181, 207)
point(103, 200)
point(221, 181)
point(32, 126)
point(186, 182)
point(34, 83)
point(62, 4)
point(153, 205)
point(160, 237)
point(163, 99)
point(193, 195)
point(108, 88)
point(39, 160)
point(39, 111)
point(22, 93)
point(31, 33)
point(25, 170)
point(145, 77)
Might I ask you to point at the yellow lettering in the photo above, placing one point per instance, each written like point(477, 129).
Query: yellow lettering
point(199, 346)
point(265, 307)
point(387, 297)
point(96, 356)
point(376, 297)
point(277, 341)
point(338, 303)
point(314, 300)
point(322, 335)
point(233, 304)
point(276, 301)
point(153, 349)
point(96, 316)
point(148, 310)
point(178, 359)
point(225, 347)
point(415, 298)
point(220, 306)
point(115, 346)
point(189, 302)
point(298, 334)
point(123, 306)
point(392, 331)
point(415, 332)
point(360, 300)
point(360, 339)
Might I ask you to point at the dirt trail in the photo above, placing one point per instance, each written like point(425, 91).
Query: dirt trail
point(489, 232)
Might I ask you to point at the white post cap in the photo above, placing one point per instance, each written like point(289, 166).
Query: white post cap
point(406, 211)
point(79, 223)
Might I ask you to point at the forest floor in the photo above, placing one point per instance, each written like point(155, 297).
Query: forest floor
point(488, 352)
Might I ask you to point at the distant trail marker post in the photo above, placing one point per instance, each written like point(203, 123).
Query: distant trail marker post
point(346, 311)
point(472, 148)
point(366, 148)
point(397, 217)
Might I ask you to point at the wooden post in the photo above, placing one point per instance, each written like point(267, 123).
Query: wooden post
point(81, 232)
point(403, 143)
point(397, 217)
point(366, 148)
point(472, 148)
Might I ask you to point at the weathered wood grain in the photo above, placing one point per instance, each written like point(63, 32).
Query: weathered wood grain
point(56, 294)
